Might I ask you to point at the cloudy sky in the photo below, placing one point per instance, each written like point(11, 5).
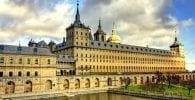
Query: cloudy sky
point(139, 22)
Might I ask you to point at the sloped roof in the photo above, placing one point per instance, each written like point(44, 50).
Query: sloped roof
point(12, 49)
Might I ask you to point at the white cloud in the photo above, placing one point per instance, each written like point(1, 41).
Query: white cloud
point(190, 65)
point(144, 22)
point(18, 19)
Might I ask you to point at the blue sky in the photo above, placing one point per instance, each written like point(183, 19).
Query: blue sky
point(140, 22)
point(182, 10)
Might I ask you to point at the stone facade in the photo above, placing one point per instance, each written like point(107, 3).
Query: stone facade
point(99, 56)
point(81, 63)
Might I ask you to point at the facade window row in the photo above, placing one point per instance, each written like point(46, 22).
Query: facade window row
point(20, 60)
point(19, 74)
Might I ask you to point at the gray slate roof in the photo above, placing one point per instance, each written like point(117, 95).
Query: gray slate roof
point(12, 49)
point(123, 47)
point(128, 48)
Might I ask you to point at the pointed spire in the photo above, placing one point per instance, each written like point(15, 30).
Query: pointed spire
point(113, 28)
point(176, 36)
point(99, 26)
point(64, 40)
point(77, 17)
point(175, 28)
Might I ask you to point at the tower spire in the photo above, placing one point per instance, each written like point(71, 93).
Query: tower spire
point(113, 28)
point(176, 33)
point(99, 26)
point(77, 17)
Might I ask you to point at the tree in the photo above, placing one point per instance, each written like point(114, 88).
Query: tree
point(160, 78)
point(172, 78)
point(190, 84)
point(169, 79)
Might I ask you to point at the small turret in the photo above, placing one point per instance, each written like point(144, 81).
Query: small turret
point(100, 35)
point(32, 43)
point(52, 46)
point(114, 38)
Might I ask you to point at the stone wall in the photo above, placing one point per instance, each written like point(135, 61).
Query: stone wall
point(75, 83)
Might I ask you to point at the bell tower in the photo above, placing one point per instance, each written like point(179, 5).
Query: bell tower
point(177, 47)
point(77, 34)
point(100, 35)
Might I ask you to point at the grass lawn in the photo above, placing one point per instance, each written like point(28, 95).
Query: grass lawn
point(175, 90)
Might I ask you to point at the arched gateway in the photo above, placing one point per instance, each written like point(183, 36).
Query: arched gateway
point(10, 87)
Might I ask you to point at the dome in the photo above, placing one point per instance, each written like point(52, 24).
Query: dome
point(114, 38)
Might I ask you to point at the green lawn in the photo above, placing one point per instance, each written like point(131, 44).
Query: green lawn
point(175, 90)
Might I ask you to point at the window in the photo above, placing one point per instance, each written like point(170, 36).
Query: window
point(19, 73)
point(48, 61)
point(10, 74)
point(1, 74)
point(28, 74)
point(28, 60)
point(36, 73)
point(36, 61)
point(20, 61)
point(11, 60)
point(2, 60)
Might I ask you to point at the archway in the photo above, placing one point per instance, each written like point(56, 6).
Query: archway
point(97, 82)
point(121, 80)
point(48, 85)
point(128, 81)
point(109, 82)
point(66, 84)
point(142, 80)
point(10, 87)
point(87, 83)
point(135, 80)
point(28, 86)
point(147, 80)
point(153, 79)
point(77, 84)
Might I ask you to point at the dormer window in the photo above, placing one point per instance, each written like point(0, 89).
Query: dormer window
point(1, 48)
point(105, 45)
point(19, 48)
point(35, 50)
